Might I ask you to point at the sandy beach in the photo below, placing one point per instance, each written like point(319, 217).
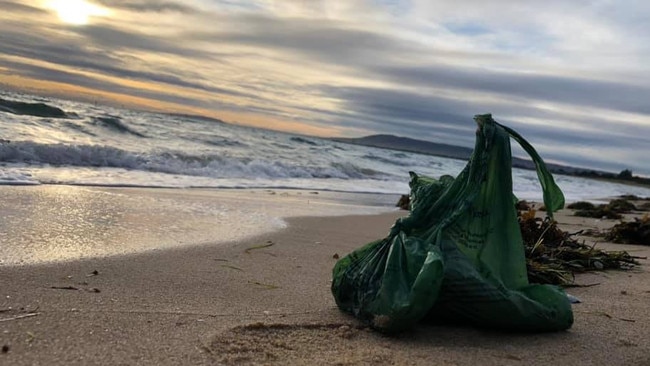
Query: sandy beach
point(266, 299)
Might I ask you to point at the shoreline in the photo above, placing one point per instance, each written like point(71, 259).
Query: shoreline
point(59, 223)
point(266, 300)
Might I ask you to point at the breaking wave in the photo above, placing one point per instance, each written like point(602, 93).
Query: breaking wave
point(31, 109)
point(303, 140)
point(171, 162)
point(115, 124)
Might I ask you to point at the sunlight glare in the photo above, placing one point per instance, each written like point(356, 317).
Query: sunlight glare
point(76, 12)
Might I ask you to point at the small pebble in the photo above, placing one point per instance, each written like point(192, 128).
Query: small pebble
point(573, 299)
point(5, 348)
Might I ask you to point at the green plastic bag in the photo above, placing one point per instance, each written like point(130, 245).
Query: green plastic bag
point(459, 256)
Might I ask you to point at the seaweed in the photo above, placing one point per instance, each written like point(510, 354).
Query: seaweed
point(621, 206)
point(634, 232)
point(522, 205)
point(630, 197)
point(581, 205)
point(404, 202)
point(553, 256)
point(599, 213)
point(613, 210)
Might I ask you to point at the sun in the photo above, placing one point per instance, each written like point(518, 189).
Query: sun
point(76, 12)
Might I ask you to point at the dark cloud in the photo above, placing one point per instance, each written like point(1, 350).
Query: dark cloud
point(404, 113)
point(558, 89)
point(402, 106)
point(372, 55)
point(325, 41)
point(76, 55)
point(449, 120)
point(598, 137)
point(149, 6)
point(44, 73)
point(118, 39)
point(211, 101)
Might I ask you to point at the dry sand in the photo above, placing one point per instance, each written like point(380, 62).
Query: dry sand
point(224, 304)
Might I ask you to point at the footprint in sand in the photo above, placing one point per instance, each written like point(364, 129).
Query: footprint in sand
point(300, 344)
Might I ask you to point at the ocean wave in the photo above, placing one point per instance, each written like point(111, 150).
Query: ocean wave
point(31, 109)
point(179, 163)
point(217, 141)
point(63, 154)
point(382, 159)
point(115, 123)
point(77, 127)
point(303, 140)
point(282, 146)
point(16, 178)
point(356, 172)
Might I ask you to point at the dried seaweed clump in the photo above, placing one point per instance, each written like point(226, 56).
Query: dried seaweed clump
point(554, 256)
point(634, 232)
point(612, 210)
point(404, 202)
point(581, 205)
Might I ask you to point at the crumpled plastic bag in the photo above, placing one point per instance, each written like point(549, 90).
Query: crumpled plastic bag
point(459, 256)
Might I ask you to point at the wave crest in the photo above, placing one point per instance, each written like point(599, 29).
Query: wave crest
point(115, 124)
point(31, 109)
point(170, 162)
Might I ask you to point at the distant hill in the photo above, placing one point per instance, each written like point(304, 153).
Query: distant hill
point(412, 145)
point(455, 152)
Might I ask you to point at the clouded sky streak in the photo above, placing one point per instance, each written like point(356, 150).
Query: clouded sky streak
point(570, 76)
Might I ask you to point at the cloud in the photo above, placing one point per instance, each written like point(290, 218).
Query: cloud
point(560, 72)
point(613, 95)
point(328, 41)
point(150, 6)
point(76, 55)
point(117, 39)
point(9, 6)
point(44, 73)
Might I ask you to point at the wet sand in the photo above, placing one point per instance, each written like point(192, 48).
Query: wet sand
point(266, 300)
point(59, 223)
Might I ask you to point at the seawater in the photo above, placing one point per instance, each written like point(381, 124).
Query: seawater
point(108, 146)
point(56, 223)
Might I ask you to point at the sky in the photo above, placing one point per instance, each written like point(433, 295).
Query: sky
point(572, 77)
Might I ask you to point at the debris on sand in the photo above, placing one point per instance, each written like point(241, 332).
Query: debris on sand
point(523, 205)
point(553, 256)
point(613, 210)
point(581, 205)
point(634, 232)
point(645, 206)
point(404, 202)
